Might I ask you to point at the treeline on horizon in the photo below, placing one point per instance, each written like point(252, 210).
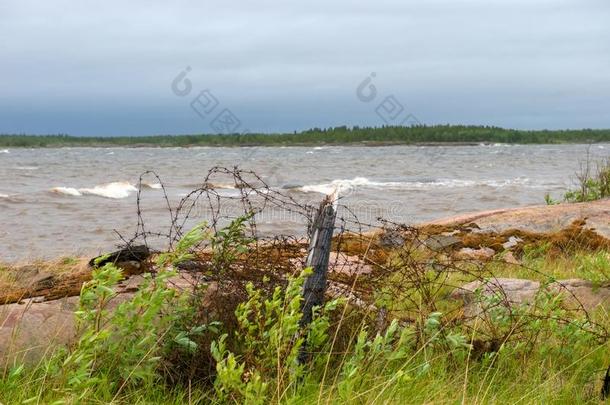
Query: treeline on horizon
point(316, 136)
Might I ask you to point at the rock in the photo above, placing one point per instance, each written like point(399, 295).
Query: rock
point(539, 219)
point(510, 258)
point(582, 293)
point(512, 242)
point(579, 294)
point(442, 241)
point(339, 263)
point(337, 290)
point(348, 265)
point(28, 330)
point(391, 239)
point(190, 266)
point(481, 254)
point(515, 291)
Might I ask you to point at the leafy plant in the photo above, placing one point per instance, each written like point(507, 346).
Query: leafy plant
point(230, 242)
point(269, 339)
point(182, 250)
point(591, 185)
point(118, 347)
point(121, 344)
point(549, 200)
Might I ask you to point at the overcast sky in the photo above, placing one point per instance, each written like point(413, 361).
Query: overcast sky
point(107, 67)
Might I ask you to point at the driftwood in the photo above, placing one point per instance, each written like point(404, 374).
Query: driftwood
point(317, 259)
point(47, 286)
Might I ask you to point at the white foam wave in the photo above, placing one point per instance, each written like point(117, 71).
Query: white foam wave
point(344, 185)
point(494, 145)
point(119, 189)
point(4, 151)
point(116, 190)
point(66, 191)
point(27, 167)
point(4, 196)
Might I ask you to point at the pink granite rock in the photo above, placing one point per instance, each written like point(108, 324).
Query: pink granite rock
point(578, 294)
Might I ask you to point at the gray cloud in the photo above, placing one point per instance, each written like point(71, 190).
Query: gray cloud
point(87, 67)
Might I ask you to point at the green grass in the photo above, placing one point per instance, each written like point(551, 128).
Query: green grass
point(317, 136)
point(535, 378)
point(547, 373)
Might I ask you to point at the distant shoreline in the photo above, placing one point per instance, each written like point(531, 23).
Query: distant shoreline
point(293, 145)
point(442, 135)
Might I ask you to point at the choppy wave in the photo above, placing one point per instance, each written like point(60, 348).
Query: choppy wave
point(119, 189)
point(10, 198)
point(66, 191)
point(344, 185)
point(495, 145)
point(4, 151)
point(116, 190)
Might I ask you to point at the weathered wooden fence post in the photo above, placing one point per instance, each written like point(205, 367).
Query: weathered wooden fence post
point(317, 258)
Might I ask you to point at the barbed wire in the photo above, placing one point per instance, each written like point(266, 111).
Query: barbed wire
point(384, 268)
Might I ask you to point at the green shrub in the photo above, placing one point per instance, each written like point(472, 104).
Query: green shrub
point(119, 347)
point(592, 186)
point(268, 341)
